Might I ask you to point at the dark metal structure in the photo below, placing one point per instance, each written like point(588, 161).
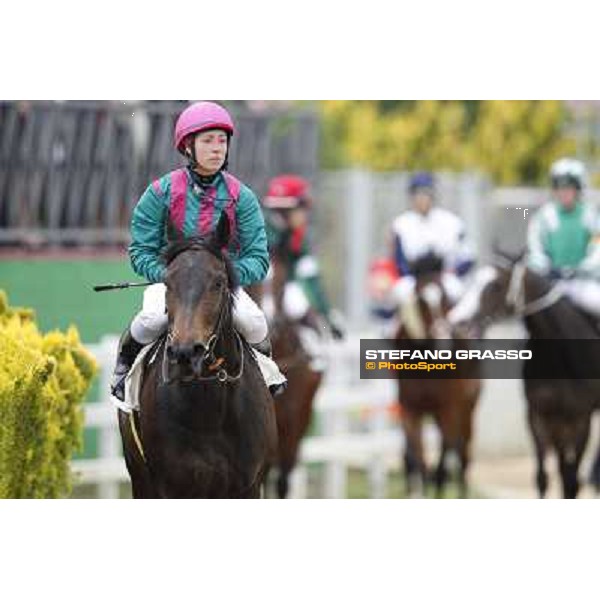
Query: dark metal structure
point(71, 172)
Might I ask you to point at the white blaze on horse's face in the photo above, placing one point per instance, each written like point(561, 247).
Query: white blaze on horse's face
point(432, 294)
point(470, 303)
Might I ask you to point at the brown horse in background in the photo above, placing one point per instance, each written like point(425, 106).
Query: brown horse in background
point(293, 407)
point(206, 425)
point(450, 402)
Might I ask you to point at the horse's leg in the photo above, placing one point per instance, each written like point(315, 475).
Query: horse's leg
point(445, 419)
point(258, 489)
point(413, 456)
point(595, 472)
point(569, 484)
point(594, 476)
point(287, 445)
point(539, 444)
point(464, 447)
point(283, 484)
point(294, 420)
point(440, 477)
point(410, 468)
point(571, 455)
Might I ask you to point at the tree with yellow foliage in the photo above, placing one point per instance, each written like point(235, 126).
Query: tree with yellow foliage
point(510, 141)
point(43, 382)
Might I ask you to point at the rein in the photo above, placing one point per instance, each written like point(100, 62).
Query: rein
point(515, 295)
point(221, 376)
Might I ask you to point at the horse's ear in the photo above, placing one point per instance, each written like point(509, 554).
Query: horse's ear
point(502, 255)
point(221, 236)
point(520, 255)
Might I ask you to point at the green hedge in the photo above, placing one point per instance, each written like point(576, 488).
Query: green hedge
point(43, 382)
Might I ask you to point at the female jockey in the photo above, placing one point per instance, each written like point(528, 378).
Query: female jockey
point(188, 202)
point(288, 203)
point(287, 208)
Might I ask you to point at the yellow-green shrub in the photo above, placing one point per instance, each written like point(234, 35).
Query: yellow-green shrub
point(512, 141)
point(43, 381)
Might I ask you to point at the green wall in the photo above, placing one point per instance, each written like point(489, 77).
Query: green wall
point(61, 293)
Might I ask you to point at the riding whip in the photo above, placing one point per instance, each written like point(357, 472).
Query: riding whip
point(119, 286)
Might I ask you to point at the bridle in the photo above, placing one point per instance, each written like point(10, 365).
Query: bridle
point(212, 363)
point(515, 294)
point(432, 294)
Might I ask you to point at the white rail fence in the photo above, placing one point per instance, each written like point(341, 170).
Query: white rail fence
point(356, 429)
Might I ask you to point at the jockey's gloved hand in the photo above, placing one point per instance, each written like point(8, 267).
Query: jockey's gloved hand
point(336, 332)
point(561, 273)
point(568, 273)
point(337, 328)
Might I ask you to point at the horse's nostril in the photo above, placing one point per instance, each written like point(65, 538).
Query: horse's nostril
point(198, 348)
point(180, 352)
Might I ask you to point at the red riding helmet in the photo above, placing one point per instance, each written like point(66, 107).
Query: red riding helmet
point(288, 191)
point(383, 274)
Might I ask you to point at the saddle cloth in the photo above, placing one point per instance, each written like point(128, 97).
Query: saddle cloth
point(268, 368)
point(133, 381)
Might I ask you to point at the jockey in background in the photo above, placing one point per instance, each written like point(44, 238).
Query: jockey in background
point(563, 238)
point(287, 206)
point(427, 229)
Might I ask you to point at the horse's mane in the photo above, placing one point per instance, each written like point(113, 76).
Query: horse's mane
point(566, 319)
point(177, 247)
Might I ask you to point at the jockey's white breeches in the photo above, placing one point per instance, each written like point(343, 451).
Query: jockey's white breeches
point(584, 293)
point(404, 289)
point(151, 321)
point(295, 306)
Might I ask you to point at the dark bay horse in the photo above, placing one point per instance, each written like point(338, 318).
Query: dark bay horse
point(558, 410)
point(206, 424)
point(294, 407)
point(450, 402)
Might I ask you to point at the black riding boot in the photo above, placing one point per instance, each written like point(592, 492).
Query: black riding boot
point(264, 347)
point(126, 355)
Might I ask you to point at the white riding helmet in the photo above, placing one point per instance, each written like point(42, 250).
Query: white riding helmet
point(568, 171)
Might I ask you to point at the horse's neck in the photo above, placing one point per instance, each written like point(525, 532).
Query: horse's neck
point(561, 320)
point(280, 275)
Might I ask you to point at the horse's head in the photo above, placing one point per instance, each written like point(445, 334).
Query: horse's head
point(200, 280)
point(498, 291)
point(424, 317)
point(428, 268)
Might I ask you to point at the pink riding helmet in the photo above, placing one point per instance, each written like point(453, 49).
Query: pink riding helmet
point(200, 117)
